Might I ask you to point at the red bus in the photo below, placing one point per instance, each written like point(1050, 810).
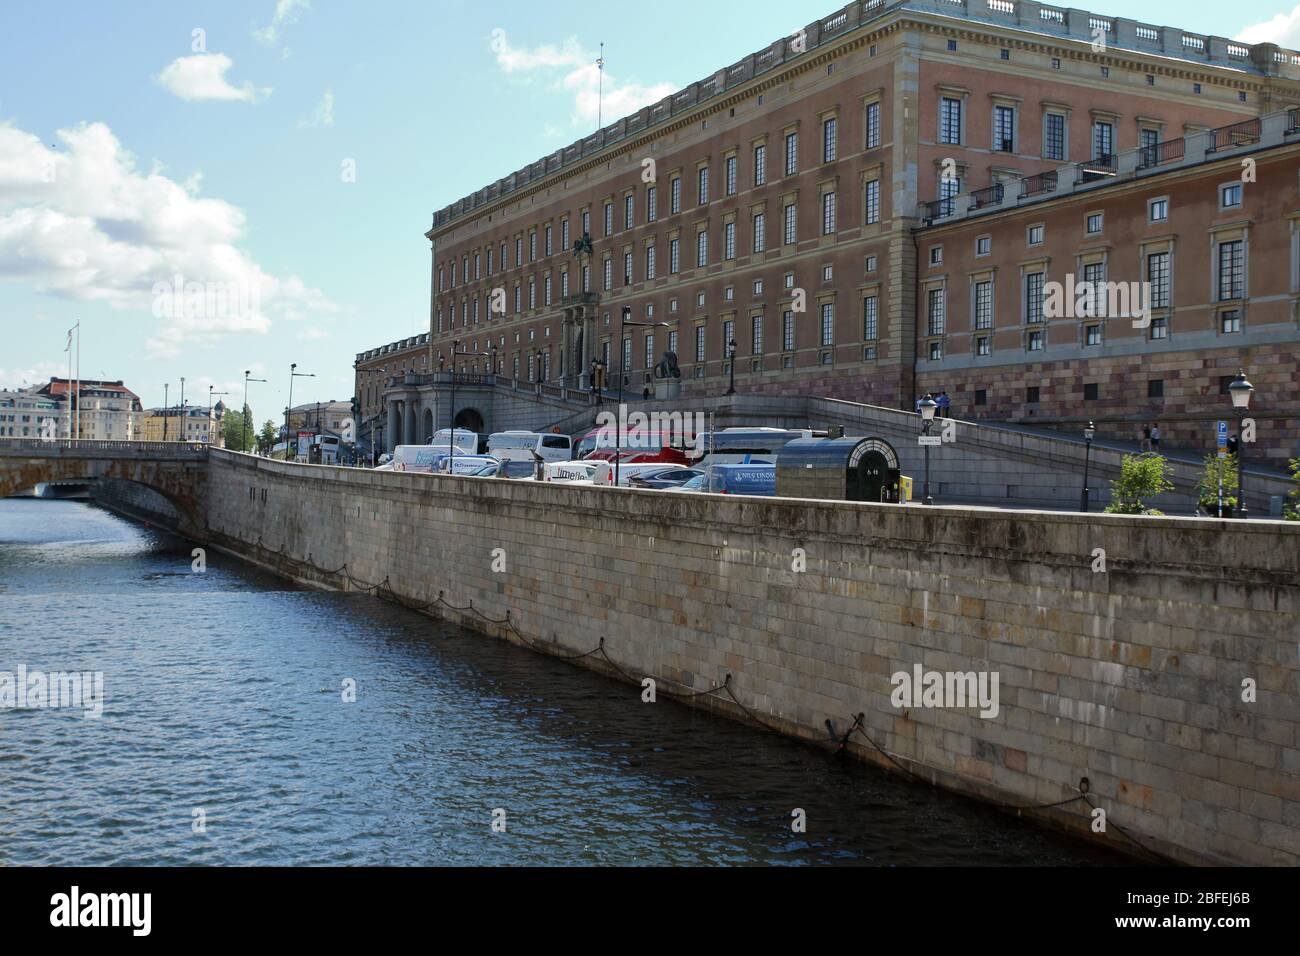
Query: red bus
point(639, 447)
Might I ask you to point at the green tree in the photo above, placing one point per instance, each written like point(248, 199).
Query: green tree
point(266, 438)
point(1207, 489)
point(232, 429)
point(1140, 477)
point(1292, 510)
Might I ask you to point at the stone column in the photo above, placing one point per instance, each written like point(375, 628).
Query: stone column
point(410, 413)
point(390, 433)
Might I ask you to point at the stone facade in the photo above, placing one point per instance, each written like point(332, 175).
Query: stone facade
point(1131, 677)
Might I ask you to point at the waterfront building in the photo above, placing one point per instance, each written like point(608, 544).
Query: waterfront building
point(195, 424)
point(28, 413)
point(99, 411)
point(773, 212)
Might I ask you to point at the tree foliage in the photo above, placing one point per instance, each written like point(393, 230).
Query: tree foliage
point(1207, 489)
point(1140, 477)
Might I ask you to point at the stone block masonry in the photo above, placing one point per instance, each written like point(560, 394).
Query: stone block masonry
point(1138, 678)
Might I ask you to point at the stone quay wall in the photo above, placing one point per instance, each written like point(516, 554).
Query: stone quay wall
point(1169, 680)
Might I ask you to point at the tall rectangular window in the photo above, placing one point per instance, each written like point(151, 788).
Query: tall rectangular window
point(1231, 276)
point(586, 222)
point(791, 153)
point(564, 285)
point(1149, 141)
point(873, 125)
point(1103, 141)
point(650, 350)
point(650, 262)
point(728, 337)
point(873, 201)
point(729, 240)
point(627, 268)
point(1054, 136)
point(519, 251)
point(828, 214)
point(870, 318)
point(1158, 279)
point(828, 323)
point(1004, 129)
point(674, 256)
point(790, 224)
point(704, 185)
point(984, 305)
point(532, 293)
point(609, 274)
point(756, 335)
point(546, 289)
point(936, 312)
point(1094, 273)
point(609, 218)
point(1034, 297)
point(731, 175)
point(532, 246)
point(760, 232)
point(627, 354)
point(950, 121)
point(546, 243)
point(787, 331)
point(699, 343)
point(629, 213)
point(830, 139)
point(652, 204)
point(675, 196)
point(760, 165)
point(565, 245)
point(702, 248)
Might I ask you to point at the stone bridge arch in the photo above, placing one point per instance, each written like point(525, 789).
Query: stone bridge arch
point(178, 471)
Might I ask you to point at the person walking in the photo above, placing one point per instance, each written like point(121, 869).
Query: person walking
point(1155, 437)
point(1146, 438)
point(944, 404)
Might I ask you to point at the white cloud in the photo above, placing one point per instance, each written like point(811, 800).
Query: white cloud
point(323, 114)
point(1283, 29)
point(313, 333)
point(203, 77)
point(571, 68)
point(286, 12)
point(37, 374)
point(83, 224)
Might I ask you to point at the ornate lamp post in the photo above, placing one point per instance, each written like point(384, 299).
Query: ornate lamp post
point(212, 393)
point(1089, 434)
point(731, 364)
point(928, 407)
point(1241, 391)
point(247, 373)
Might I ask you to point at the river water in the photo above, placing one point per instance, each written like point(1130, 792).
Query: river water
point(225, 737)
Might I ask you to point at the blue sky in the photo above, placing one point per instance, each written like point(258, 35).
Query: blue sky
point(133, 151)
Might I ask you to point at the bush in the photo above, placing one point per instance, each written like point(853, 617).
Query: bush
point(1207, 489)
point(1140, 477)
point(1292, 510)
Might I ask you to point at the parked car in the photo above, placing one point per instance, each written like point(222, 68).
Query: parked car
point(694, 486)
point(669, 476)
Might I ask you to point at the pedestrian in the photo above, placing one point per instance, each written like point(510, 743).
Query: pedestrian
point(918, 405)
point(1232, 444)
point(1155, 437)
point(1146, 438)
point(944, 403)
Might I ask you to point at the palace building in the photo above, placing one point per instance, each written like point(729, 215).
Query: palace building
point(869, 209)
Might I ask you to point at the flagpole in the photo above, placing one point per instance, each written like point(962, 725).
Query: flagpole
point(68, 348)
point(78, 328)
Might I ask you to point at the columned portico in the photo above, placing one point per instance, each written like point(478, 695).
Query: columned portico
point(579, 333)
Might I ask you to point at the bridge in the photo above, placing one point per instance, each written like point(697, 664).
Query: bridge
point(176, 470)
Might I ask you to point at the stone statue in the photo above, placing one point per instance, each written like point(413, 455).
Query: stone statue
point(667, 367)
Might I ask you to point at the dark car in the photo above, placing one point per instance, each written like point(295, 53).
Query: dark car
point(669, 476)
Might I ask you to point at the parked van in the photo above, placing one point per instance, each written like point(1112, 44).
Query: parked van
point(421, 459)
point(521, 446)
point(753, 479)
point(466, 441)
point(571, 472)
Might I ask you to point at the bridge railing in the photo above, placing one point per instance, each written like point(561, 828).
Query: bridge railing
point(95, 445)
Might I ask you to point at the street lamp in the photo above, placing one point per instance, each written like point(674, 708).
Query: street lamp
point(293, 373)
point(1241, 390)
point(928, 407)
point(1089, 434)
point(731, 359)
point(451, 412)
point(623, 321)
point(167, 407)
point(183, 422)
point(247, 372)
point(208, 426)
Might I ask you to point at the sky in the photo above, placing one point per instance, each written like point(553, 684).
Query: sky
point(209, 187)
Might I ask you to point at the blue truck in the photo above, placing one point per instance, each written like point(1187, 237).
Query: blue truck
point(753, 479)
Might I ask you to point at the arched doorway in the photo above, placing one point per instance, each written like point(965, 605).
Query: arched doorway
point(427, 433)
point(873, 472)
point(470, 419)
point(397, 430)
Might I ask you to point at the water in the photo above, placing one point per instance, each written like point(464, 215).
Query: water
point(223, 694)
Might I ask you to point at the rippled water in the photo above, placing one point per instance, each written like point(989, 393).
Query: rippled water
point(223, 694)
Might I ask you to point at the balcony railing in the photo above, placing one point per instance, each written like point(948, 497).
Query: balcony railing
point(1102, 167)
point(1037, 185)
point(1245, 133)
point(1157, 155)
point(1292, 122)
point(941, 208)
point(990, 196)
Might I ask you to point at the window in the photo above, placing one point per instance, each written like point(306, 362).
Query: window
point(873, 125)
point(756, 335)
point(1056, 63)
point(1094, 223)
point(1092, 335)
point(702, 248)
point(699, 343)
point(1231, 279)
point(1160, 327)
point(982, 348)
point(758, 287)
point(1156, 388)
point(546, 289)
point(675, 196)
point(870, 318)
point(672, 341)
point(477, 263)
point(609, 218)
point(565, 245)
point(1035, 235)
point(1158, 279)
point(789, 224)
point(674, 256)
point(729, 241)
point(760, 231)
point(728, 338)
point(532, 246)
point(950, 120)
point(1230, 195)
point(788, 279)
point(1103, 142)
point(1158, 210)
point(546, 244)
point(1005, 54)
point(1034, 297)
point(1230, 321)
point(828, 273)
point(1149, 141)
point(629, 214)
point(760, 165)
point(1094, 296)
point(564, 285)
point(935, 311)
point(936, 351)
point(1054, 136)
point(984, 304)
point(1035, 341)
point(699, 300)
point(650, 350)
point(1004, 129)
point(830, 139)
point(731, 175)
point(532, 293)
point(791, 153)
point(1090, 391)
point(1031, 395)
point(873, 201)
point(586, 222)
point(626, 359)
point(627, 268)
point(983, 245)
point(650, 262)
point(828, 214)
point(787, 331)
point(952, 46)
point(651, 203)
point(703, 184)
point(518, 299)
point(608, 277)
point(936, 255)
point(828, 323)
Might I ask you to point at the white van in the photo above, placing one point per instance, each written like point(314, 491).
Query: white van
point(521, 446)
point(420, 459)
point(571, 472)
point(466, 441)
